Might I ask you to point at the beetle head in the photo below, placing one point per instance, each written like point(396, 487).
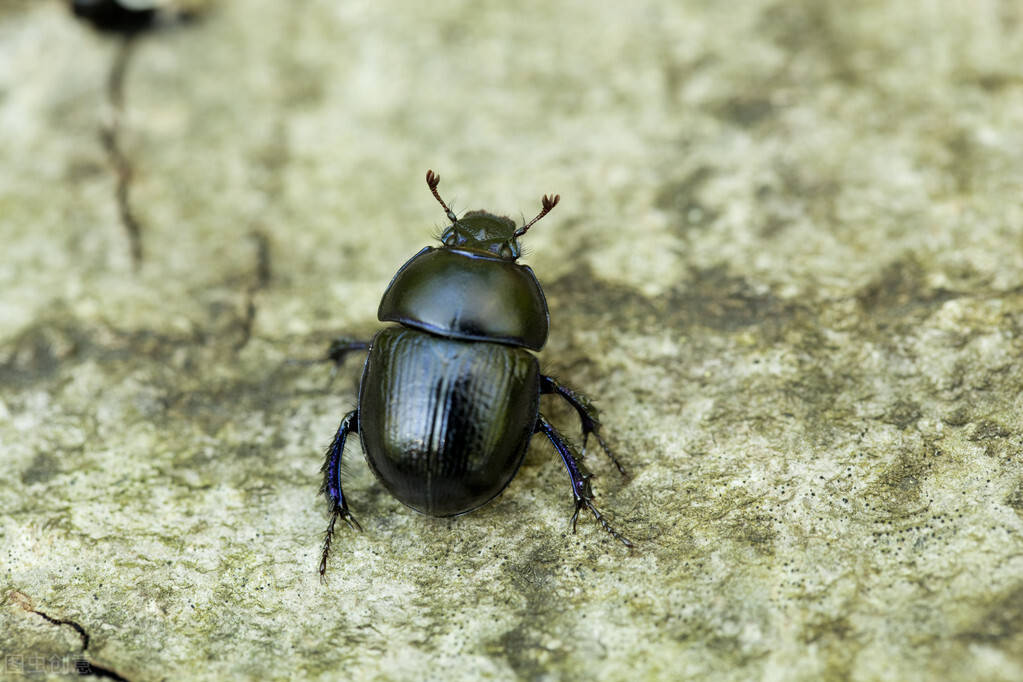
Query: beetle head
point(484, 231)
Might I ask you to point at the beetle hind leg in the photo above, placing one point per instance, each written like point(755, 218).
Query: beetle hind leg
point(581, 490)
point(337, 505)
point(587, 415)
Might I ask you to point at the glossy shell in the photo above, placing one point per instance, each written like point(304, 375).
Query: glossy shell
point(468, 295)
point(445, 423)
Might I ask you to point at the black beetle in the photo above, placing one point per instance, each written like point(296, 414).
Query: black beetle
point(450, 395)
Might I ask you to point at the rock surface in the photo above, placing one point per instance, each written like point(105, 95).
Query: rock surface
point(787, 265)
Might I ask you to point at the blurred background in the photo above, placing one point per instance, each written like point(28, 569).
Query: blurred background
point(787, 264)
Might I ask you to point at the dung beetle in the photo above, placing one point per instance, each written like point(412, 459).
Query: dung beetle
point(450, 393)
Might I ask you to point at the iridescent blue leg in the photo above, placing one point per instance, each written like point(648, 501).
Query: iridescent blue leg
point(336, 502)
point(580, 479)
point(587, 415)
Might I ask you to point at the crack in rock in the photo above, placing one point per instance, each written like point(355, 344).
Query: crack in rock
point(110, 135)
point(261, 280)
point(83, 666)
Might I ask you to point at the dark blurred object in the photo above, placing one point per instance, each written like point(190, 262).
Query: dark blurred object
point(122, 16)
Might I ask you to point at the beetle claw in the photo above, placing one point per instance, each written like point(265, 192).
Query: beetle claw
point(350, 520)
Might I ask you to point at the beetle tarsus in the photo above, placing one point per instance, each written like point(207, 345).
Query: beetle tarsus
point(607, 450)
point(328, 537)
point(581, 490)
point(587, 415)
point(336, 502)
point(605, 525)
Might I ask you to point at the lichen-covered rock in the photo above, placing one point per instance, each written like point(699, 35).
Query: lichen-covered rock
point(787, 265)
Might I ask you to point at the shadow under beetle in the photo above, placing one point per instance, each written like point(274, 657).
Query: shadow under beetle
point(450, 395)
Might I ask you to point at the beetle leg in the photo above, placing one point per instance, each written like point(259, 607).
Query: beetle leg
point(587, 415)
point(336, 502)
point(581, 490)
point(340, 348)
point(337, 352)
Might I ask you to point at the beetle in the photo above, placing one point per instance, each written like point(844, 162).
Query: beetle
point(450, 392)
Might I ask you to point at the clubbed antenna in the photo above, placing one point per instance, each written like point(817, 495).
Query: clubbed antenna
point(432, 180)
point(548, 204)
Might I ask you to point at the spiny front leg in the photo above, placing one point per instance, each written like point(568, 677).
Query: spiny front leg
point(581, 490)
point(337, 505)
point(587, 415)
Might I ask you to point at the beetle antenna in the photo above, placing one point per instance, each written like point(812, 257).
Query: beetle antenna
point(548, 204)
point(432, 180)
